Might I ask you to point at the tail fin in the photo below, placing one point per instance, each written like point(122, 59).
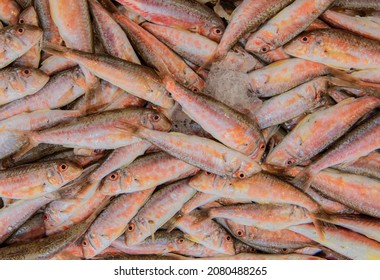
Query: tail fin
point(303, 179)
point(318, 219)
point(174, 221)
point(214, 57)
point(55, 49)
point(129, 129)
point(345, 80)
point(32, 143)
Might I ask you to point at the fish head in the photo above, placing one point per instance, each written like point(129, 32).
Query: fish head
point(246, 167)
point(28, 16)
point(257, 44)
point(213, 29)
point(307, 44)
point(238, 230)
point(33, 79)
point(280, 157)
point(155, 120)
point(203, 181)
point(226, 242)
point(136, 230)
point(160, 94)
point(112, 183)
point(62, 172)
point(92, 244)
point(23, 36)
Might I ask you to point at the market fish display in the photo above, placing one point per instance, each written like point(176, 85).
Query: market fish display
point(188, 129)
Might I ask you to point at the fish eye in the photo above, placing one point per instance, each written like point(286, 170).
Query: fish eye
point(63, 167)
point(217, 30)
point(155, 117)
point(84, 243)
point(240, 233)
point(45, 217)
point(194, 89)
point(305, 39)
point(228, 238)
point(180, 241)
point(241, 175)
point(26, 72)
point(262, 146)
point(21, 21)
point(289, 162)
point(208, 173)
point(113, 176)
point(131, 227)
point(20, 31)
point(264, 49)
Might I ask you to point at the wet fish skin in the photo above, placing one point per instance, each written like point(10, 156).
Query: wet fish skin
point(238, 132)
point(279, 76)
point(368, 26)
point(46, 247)
point(344, 188)
point(206, 232)
point(121, 73)
point(159, 209)
point(359, 142)
point(15, 40)
point(32, 57)
point(358, 5)
point(37, 179)
point(201, 152)
point(60, 90)
point(159, 56)
point(87, 130)
point(113, 221)
point(287, 24)
point(32, 229)
point(17, 82)
point(281, 240)
point(15, 214)
point(366, 166)
point(310, 136)
point(146, 172)
point(247, 17)
point(343, 241)
point(290, 104)
point(189, 15)
point(112, 36)
point(51, 33)
point(9, 11)
point(337, 48)
point(278, 216)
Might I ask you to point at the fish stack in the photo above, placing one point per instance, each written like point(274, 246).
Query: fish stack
point(181, 129)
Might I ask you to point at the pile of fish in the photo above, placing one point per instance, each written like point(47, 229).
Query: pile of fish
point(183, 129)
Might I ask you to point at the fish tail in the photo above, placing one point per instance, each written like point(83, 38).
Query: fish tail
point(318, 224)
point(174, 221)
point(342, 79)
point(303, 180)
point(55, 49)
point(32, 143)
point(128, 128)
point(214, 57)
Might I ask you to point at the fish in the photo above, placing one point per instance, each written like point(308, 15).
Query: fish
point(159, 209)
point(9, 11)
point(16, 40)
point(34, 180)
point(18, 82)
point(336, 48)
point(300, 145)
point(190, 15)
point(286, 25)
